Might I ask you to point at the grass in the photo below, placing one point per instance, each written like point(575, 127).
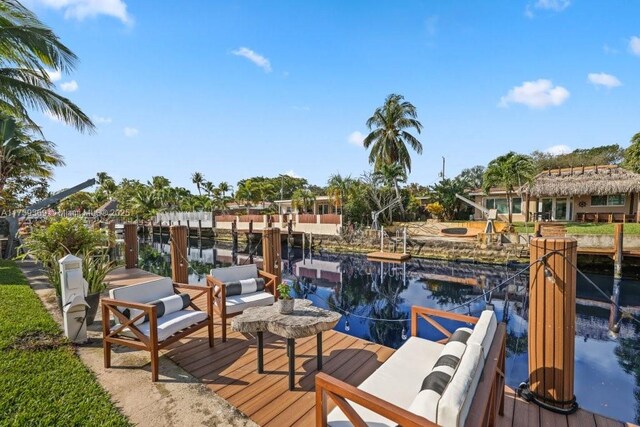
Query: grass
point(42, 380)
point(586, 228)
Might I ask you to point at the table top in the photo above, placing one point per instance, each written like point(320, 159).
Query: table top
point(306, 320)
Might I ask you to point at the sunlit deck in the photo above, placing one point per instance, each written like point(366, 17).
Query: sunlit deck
point(229, 369)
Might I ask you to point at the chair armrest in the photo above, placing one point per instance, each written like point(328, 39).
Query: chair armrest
point(127, 304)
point(428, 314)
point(270, 281)
point(340, 391)
point(191, 287)
point(216, 284)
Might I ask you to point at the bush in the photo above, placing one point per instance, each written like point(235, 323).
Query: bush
point(435, 209)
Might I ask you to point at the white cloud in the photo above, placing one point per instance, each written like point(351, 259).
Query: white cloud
point(556, 150)
point(292, 174)
point(254, 57)
point(604, 79)
point(634, 45)
point(81, 9)
point(535, 94)
point(130, 132)
point(71, 86)
point(99, 120)
point(556, 5)
point(356, 138)
point(54, 75)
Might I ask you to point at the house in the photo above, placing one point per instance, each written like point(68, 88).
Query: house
point(601, 193)
point(321, 205)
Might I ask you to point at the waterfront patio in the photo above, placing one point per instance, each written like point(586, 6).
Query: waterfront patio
point(229, 370)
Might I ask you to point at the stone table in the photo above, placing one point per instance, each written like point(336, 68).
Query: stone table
point(306, 320)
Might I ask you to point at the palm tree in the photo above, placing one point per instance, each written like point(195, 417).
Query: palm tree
point(23, 156)
point(198, 179)
point(338, 189)
point(302, 198)
point(27, 49)
point(388, 138)
point(510, 171)
point(224, 187)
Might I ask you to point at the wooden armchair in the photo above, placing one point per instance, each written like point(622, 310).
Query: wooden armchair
point(396, 393)
point(235, 289)
point(151, 315)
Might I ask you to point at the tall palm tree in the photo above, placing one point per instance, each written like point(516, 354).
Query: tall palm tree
point(389, 138)
point(302, 198)
point(338, 189)
point(510, 171)
point(198, 179)
point(23, 156)
point(224, 187)
point(27, 49)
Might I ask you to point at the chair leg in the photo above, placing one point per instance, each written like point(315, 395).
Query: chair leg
point(224, 327)
point(106, 350)
point(211, 331)
point(154, 365)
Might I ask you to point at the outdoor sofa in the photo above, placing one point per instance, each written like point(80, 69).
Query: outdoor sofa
point(458, 381)
point(152, 315)
point(239, 287)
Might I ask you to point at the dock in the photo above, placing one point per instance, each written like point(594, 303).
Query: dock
point(229, 370)
point(388, 256)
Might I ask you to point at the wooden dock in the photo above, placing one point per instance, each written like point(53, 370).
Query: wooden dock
point(388, 256)
point(229, 369)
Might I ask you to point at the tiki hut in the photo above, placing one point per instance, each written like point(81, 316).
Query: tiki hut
point(582, 181)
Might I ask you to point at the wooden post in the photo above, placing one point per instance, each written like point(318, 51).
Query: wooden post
point(537, 230)
point(130, 245)
point(199, 229)
point(614, 314)
point(234, 247)
point(250, 242)
point(179, 262)
point(272, 253)
point(552, 312)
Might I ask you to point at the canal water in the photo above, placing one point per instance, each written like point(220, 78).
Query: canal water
point(375, 299)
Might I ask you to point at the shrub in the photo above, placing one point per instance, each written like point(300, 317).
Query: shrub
point(435, 209)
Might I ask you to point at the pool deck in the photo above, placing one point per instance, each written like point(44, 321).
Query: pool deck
point(229, 369)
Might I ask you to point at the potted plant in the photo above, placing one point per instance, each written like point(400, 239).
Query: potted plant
point(285, 301)
point(95, 267)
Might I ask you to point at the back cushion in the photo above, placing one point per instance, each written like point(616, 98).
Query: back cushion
point(236, 273)
point(164, 306)
point(484, 331)
point(144, 292)
point(455, 402)
point(434, 385)
point(246, 286)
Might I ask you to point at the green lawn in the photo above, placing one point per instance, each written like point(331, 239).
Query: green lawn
point(42, 381)
point(585, 228)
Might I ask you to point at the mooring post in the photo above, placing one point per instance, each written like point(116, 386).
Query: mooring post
point(304, 259)
point(382, 238)
point(552, 312)
point(618, 247)
point(234, 238)
point(130, 245)
point(251, 242)
point(200, 231)
point(272, 253)
point(178, 247)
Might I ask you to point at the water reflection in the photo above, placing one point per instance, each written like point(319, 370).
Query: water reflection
point(375, 299)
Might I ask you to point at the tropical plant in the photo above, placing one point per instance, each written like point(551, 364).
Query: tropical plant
point(302, 199)
point(23, 156)
point(27, 50)
point(510, 171)
point(389, 138)
point(632, 154)
point(96, 264)
point(339, 189)
point(444, 193)
point(435, 209)
point(284, 291)
point(198, 179)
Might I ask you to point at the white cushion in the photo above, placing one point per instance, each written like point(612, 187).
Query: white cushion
point(235, 273)
point(238, 303)
point(456, 400)
point(169, 324)
point(398, 381)
point(144, 292)
point(484, 331)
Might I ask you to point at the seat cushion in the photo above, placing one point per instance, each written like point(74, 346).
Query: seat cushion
point(245, 286)
point(235, 273)
point(455, 402)
point(397, 381)
point(170, 324)
point(238, 303)
point(484, 331)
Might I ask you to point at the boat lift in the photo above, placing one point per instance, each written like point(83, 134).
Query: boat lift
point(375, 214)
point(491, 214)
point(13, 219)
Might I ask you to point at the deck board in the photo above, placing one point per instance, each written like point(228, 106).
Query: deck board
point(230, 370)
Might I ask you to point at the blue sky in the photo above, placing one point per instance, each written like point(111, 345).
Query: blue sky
point(235, 89)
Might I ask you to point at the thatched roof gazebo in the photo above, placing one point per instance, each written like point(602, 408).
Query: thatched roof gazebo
point(583, 180)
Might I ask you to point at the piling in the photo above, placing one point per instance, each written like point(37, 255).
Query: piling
point(234, 248)
point(272, 253)
point(130, 245)
point(552, 311)
point(251, 242)
point(614, 313)
point(179, 262)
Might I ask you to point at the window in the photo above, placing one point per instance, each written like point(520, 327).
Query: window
point(610, 200)
point(502, 205)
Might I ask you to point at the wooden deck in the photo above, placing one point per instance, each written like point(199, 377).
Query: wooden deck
point(229, 369)
point(388, 256)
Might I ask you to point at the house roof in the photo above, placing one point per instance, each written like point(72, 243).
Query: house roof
point(588, 180)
